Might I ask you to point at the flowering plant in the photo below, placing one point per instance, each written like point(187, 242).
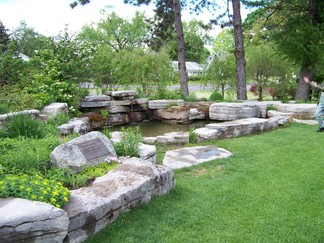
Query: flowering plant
point(35, 188)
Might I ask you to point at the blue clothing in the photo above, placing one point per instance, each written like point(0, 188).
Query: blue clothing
point(320, 107)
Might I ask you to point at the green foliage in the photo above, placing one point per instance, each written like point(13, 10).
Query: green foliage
point(192, 136)
point(191, 98)
point(104, 114)
point(4, 108)
point(216, 96)
point(220, 73)
point(58, 120)
point(25, 155)
point(23, 125)
point(129, 143)
point(164, 94)
point(88, 174)
point(35, 188)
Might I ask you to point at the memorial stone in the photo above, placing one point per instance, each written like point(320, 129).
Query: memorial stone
point(89, 149)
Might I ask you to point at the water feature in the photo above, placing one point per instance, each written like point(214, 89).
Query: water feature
point(156, 128)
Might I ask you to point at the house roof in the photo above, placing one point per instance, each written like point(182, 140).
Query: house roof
point(190, 66)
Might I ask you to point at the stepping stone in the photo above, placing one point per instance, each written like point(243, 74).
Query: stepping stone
point(186, 157)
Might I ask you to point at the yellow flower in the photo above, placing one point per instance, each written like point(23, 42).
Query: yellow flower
point(33, 196)
point(53, 200)
point(35, 182)
point(21, 187)
point(44, 192)
point(65, 199)
point(28, 189)
point(57, 205)
point(55, 193)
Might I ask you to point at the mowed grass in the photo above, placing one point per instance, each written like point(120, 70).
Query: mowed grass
point(270, 190)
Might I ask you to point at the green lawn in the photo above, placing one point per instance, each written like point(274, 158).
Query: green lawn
point(270, 190)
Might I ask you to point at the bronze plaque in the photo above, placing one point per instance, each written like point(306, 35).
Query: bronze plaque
point(93, 149)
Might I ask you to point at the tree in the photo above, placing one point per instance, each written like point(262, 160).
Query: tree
point(4, 38)
point(221, 73)
point(297, 27)
point(28, 40)
point(117, 32)
point(239, 52)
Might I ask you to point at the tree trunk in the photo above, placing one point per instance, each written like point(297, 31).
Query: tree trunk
point(239, 52)
point(303, 88)
point(181, 48)
point(302, 92)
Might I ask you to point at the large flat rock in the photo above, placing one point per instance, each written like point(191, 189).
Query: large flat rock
point(186, 157)
point(31, 221)
point(132, 183)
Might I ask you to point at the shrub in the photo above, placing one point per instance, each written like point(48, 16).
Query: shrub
point(216, 96)
point(191, 98)
point(23, 125)
point(129, 143)
point(34, 187)
point(26, 155)
point(167, 95)
point(4, 108)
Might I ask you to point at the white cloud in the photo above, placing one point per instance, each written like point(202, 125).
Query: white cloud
point(49, 17)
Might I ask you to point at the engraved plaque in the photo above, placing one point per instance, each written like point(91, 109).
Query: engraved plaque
point(93, 149)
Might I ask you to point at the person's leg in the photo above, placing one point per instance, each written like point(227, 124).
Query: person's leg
point(319, 113)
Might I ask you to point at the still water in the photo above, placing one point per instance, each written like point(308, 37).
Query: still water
point(156, 128)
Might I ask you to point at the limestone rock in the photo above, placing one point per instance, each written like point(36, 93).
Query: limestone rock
point(92, 98)
point(75, 125)
point(134, 182)
point(186, 157)
point(52, 110)
point(195, 114)
point(147, 152)
point(233, 111)
point(123, 93)
point(118, 119)
point(32, 113)
point(173, 138)
point(303, 111)
point(174, 114)
point(89, 149)
point(94, 104)
point(161, 104)
point(31, 221)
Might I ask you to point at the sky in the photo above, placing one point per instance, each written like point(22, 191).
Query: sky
point(50, 17)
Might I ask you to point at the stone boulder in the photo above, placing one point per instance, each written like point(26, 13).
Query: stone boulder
point(75, 125)
point(195, 114)
point(233, 111)
point(162, 104)
point(147, 152)
point(173, 114)
point(134, 182)
point(32, 113)
point(173, 138)
point(53, 109)
point(187, 157)
point(238, 128)
point(89, 149)
point(31, 221)
point(301, 111)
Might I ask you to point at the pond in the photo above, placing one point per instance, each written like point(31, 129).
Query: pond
point(156, 128)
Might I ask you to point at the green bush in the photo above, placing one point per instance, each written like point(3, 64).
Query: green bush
point(26, 155)
point(191, 98)
point(23, 125)
point(129, 143)
point(35, 188)
point(167, 95)
point(4, 108)
point(216, 96)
